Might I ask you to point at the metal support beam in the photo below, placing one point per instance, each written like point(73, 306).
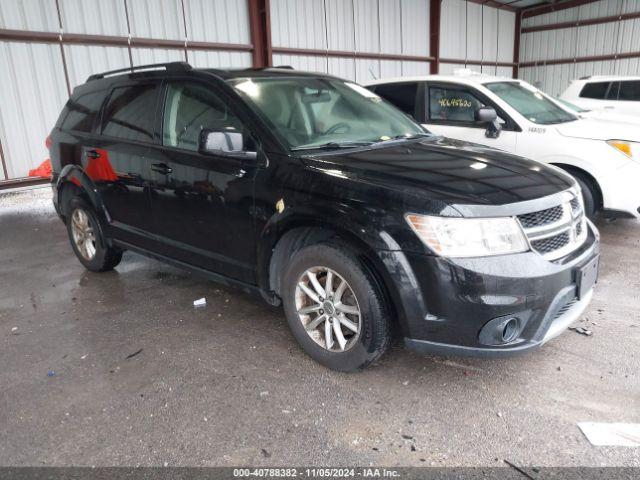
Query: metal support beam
point(350, 54)
point(435, 12)
point(4, 164)
point(495, 4)
point(62, 54)
point(467, 61)
point(114, 41)
point(554, 7)
point(582, 23)
point(516, 43)
point(126, 14)
point(23, 182)
point(592, 58)
point(260, 29)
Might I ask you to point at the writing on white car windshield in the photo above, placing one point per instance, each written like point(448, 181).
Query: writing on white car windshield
point(324, 113)
point(531, 104)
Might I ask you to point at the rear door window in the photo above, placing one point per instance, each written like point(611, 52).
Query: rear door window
point(596, 90)
point(630, 91)
point(402, 95)
point(612, 94)
point(82, 111)
point(130, 113)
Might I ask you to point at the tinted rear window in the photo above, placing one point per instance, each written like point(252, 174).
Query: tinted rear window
point(130, 113)
point(596, 90)
point(630, 91)
point(82, 111)
point(402, 95)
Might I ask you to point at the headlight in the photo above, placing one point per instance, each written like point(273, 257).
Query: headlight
point(630, 149)
point(469, 237)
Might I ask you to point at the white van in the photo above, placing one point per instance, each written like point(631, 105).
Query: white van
point(512, 115)
point(618, 94)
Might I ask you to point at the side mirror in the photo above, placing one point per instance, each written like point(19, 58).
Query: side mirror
point(226, 143)
point(489, 116)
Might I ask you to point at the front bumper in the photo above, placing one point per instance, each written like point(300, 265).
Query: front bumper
point(620, 191)
point(461, 296)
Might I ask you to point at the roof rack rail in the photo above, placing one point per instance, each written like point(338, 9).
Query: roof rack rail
point(585, 78)
point(259, 69)
point(171, 66)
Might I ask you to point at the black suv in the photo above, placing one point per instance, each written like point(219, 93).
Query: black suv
point(317, 194)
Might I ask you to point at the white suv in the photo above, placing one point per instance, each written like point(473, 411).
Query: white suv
point(618, 94)
point(514, 116)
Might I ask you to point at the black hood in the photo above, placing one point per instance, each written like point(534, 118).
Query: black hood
point(452, 171)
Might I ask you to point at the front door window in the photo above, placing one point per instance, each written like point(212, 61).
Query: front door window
point(453, 105)
point(191, 108)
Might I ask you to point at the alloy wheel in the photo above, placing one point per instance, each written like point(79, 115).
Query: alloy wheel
point(328, 309)
point(83, 234)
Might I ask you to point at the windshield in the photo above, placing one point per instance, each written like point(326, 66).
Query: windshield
point(324, 113)
point(530, 103)
point(571, 105)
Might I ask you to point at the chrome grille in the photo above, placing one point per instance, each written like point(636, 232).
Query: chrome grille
point(551, 244)
point(557, 231)
point(575, 205)
point(543, 217)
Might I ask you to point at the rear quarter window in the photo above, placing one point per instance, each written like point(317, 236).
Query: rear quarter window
point(596, 90)
point(81, 111)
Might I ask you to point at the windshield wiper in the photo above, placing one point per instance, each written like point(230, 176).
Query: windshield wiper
point(411, 136)
point(333, 145)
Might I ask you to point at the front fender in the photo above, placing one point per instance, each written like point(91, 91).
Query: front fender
point(359, 227)
point(571, 161)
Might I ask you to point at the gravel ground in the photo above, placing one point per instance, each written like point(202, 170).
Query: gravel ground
point(120, 369)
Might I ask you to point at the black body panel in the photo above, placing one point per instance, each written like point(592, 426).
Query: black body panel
point(224, 216)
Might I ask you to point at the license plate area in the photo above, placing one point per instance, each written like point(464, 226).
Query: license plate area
point(587, 276)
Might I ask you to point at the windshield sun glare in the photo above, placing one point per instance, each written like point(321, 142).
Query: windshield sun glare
point(308, 112)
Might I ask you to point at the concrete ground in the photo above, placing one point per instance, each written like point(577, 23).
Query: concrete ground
point(139, 377)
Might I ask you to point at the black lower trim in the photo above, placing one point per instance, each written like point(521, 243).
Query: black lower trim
point(216, 277)
point(444, 349)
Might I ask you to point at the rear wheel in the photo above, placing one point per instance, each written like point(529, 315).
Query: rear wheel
point(334, 307)
point(87, 239)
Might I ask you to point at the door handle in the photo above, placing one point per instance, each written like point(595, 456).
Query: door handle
point(162, 168)
point(93, 154)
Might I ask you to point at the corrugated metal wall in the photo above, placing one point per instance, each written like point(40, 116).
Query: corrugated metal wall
point(478, 33)
point(399, 27)
point(468, 31)
point(33, 87)
point(588, 40)
point(32, 81)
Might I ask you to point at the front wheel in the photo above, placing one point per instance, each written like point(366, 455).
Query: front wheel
point(334, 307)
point(87, 239)
point(589, 196)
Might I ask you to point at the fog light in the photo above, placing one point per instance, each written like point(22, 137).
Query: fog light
point(503, 330)
point(510, 330)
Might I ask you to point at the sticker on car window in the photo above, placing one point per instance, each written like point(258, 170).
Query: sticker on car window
point(455, 103)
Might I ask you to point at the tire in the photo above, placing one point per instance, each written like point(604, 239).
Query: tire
point(87, 238)
point(589, 196)
point(361, 293)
